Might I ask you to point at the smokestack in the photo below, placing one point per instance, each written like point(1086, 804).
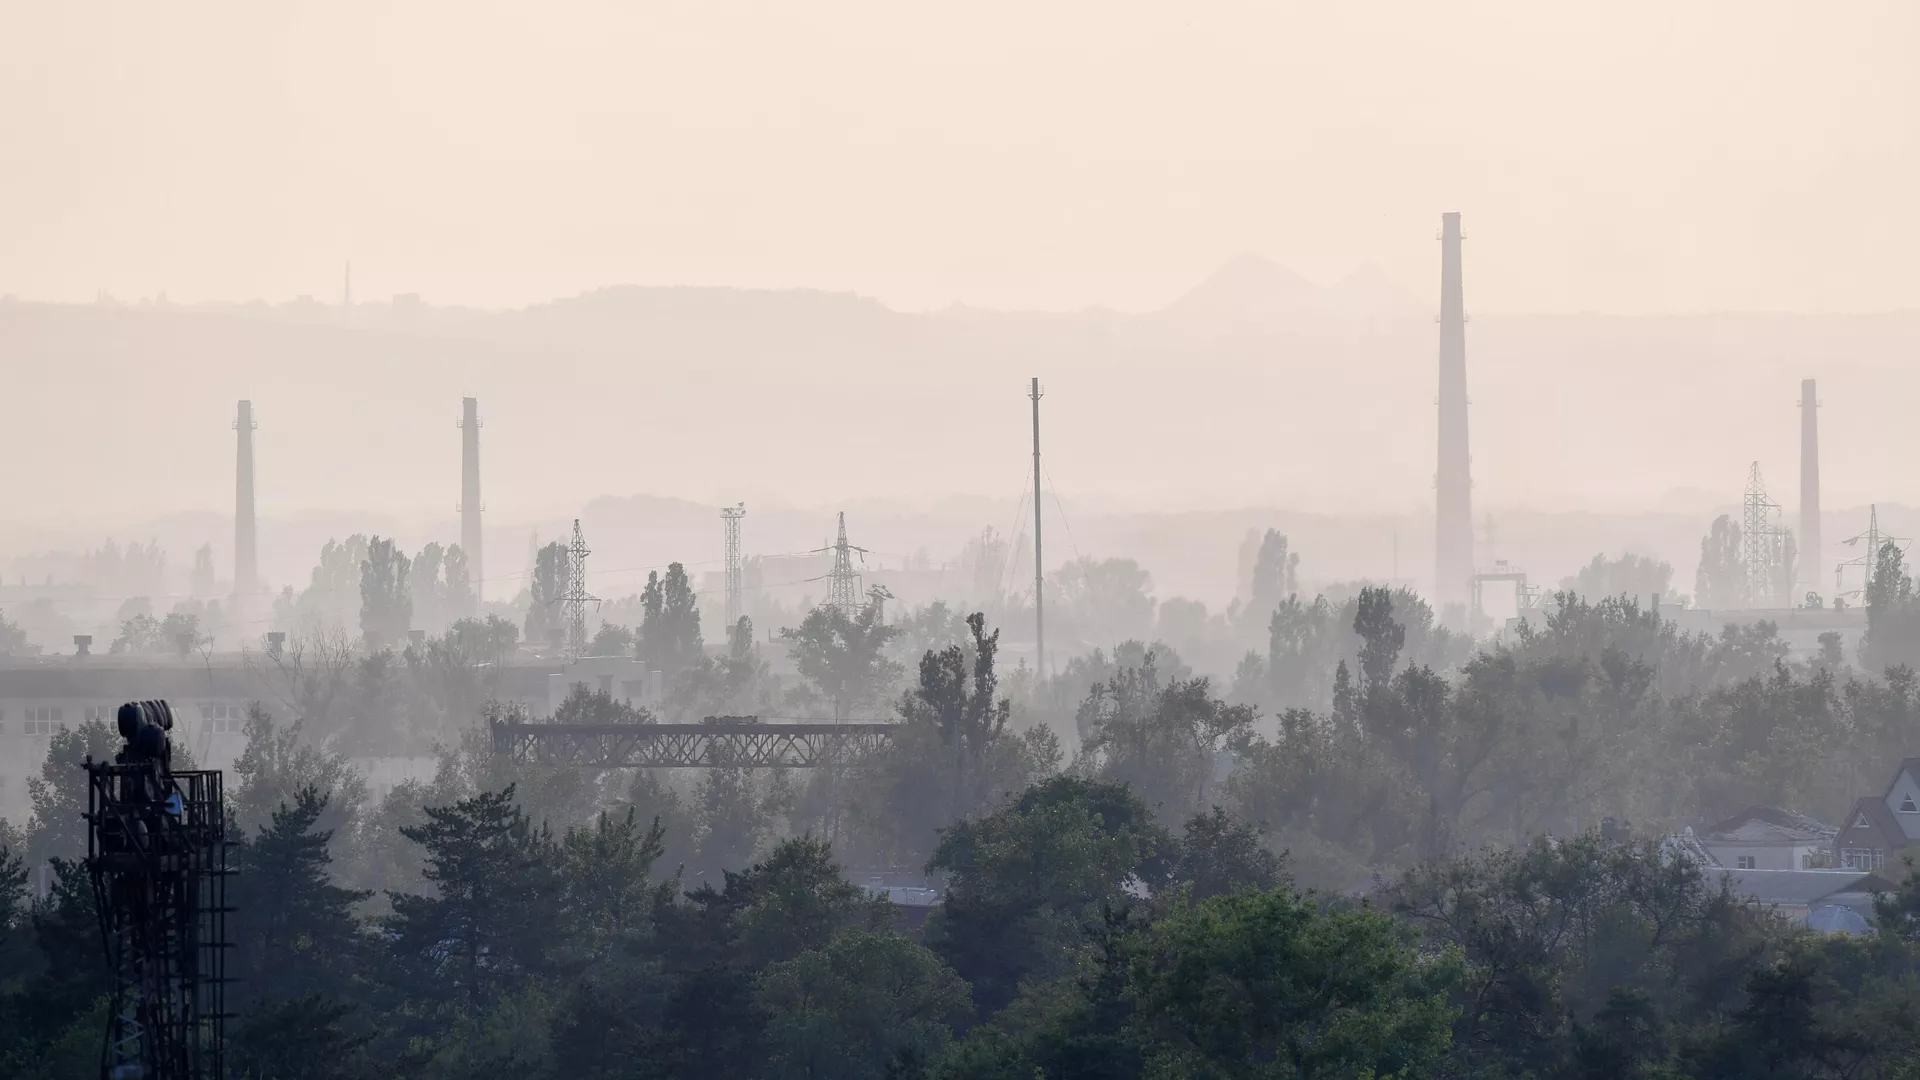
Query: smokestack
point(470, 493)
point(246, 561)
point(1811, 556)
point(1453, 482)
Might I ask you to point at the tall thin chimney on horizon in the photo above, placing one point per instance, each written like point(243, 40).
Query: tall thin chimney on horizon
point(470, 494)
point(1812, 557)
point(1453, 480)
point(246, 549)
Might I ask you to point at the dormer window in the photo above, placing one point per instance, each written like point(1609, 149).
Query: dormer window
point(1907, 806)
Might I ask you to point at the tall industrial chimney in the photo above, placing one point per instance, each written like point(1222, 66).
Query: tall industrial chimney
point(246, 550)
point(1812, 557)
point(1453, 481)
point(470, 493)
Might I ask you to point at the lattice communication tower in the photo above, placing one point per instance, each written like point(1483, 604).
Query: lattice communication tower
point(157, 856)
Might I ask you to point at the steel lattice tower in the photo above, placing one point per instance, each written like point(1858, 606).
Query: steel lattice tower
point(157, 856)
point(574, 605)
point(1869, 559)
point(1762, 543)
point(843, 581)
point(731, 515)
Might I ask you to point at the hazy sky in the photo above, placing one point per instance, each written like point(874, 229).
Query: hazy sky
point(1631, 156)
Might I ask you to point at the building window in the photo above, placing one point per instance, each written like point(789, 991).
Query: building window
point(1862, 858)
point(101, 712)
point(224, 719)
point(40, 720)
point(1744, 862)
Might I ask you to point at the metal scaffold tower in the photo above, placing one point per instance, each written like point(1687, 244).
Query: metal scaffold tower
point(157, 855)
point(731, 515)
point(1765, 547)
point(575, 603)
point(843, 581)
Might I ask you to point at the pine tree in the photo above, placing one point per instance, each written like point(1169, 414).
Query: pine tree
point(295, 929)
point(606, 872)
point(488, 925)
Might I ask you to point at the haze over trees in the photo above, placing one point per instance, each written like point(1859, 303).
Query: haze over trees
point(1141, 870)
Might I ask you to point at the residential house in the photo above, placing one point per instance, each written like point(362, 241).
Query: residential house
point(1879, 829)
point(1798, 893)
point(1769, 838)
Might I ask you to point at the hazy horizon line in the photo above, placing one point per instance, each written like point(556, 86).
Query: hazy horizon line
point(160, 300)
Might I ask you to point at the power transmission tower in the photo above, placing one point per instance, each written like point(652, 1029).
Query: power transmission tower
point(574, 605)
point(877, 597)
point(1763, 544)
point(843, 581)
point(1867, 560)
point(731, 515)
point(1039, 598)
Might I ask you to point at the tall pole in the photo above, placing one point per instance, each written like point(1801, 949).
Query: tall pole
point(1039, 594)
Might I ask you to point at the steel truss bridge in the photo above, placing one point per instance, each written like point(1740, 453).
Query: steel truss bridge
point(721, 742)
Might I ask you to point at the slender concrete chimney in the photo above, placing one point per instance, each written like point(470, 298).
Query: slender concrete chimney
point(1812, 557)
point(470, 493)
point(1453, 482)
point(246, 559)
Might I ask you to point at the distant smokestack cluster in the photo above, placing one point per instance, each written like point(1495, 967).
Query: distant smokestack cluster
point(1453, 481)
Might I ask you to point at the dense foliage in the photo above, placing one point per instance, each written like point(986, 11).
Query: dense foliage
point(1375, 852)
